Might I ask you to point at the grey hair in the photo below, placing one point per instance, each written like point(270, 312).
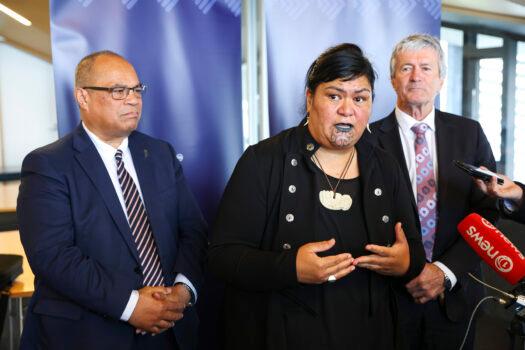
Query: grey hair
point(417, 42)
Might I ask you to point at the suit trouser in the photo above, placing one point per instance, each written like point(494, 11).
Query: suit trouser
point(165, 340)
point(426, 327)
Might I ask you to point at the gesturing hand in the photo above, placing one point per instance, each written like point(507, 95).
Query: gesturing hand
point(393, 261)
point(314, 269)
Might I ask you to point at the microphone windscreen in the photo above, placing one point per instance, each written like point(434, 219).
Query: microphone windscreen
point(493, 247)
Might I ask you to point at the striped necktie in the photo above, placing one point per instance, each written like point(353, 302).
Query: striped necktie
point(140, 227)
point(426, 189)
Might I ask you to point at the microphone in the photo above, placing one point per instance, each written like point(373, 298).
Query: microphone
point(493, 247)
point(500, 254)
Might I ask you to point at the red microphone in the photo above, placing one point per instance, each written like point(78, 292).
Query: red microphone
point(493, 247)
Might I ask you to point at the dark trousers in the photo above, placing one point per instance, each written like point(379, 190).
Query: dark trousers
point(164, 341)
point(426, 327)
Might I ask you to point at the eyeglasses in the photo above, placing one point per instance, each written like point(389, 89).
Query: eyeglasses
point(120, 92)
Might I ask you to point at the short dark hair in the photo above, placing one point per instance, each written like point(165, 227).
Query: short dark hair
point(345, 62)
point(84, 67)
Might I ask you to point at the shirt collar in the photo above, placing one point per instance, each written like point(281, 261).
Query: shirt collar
point(103, 147)
point(406, 122)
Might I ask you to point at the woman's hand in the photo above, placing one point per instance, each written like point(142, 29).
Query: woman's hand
point(314, 269)
point(392, 261)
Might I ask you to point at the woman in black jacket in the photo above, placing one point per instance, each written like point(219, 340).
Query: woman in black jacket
point(308, 236)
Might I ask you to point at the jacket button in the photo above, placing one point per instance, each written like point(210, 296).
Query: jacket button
point(289, 217)
point(137, 270)
point(385, 218)
point(292, 189)
point(378, 192)
point(287, 246)
point(310, 147)
point(294, 162)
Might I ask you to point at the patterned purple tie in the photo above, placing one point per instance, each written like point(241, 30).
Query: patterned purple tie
point(426, 189)
point(140, 227)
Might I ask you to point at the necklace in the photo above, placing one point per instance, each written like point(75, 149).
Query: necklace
point(331, 199)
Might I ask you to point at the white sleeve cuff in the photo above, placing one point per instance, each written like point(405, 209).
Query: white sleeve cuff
point(509, 206)
point(130, 307)
point(448, 272)
point(182, 279)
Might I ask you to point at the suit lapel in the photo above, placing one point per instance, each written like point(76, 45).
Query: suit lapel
point(445, 140)
point(391, 142)
point(90, 161)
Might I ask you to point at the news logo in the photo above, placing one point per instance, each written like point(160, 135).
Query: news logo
point(503, 263)
point(488, 224)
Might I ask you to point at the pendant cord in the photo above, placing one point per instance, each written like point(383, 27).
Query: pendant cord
point(343, 172)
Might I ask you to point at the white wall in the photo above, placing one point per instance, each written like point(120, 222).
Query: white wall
point(27, 105)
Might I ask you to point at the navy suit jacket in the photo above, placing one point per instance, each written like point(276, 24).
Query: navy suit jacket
point(457, 138)
point(79, 244)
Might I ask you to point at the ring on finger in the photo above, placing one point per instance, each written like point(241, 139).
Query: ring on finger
point(332, 278)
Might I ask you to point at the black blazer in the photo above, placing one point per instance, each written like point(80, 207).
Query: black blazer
point(457, 138)
point(255, 240)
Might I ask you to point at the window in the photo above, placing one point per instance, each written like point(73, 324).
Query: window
point(450, 99)
point(519, 115)
point(488, 101)
point(486, 82)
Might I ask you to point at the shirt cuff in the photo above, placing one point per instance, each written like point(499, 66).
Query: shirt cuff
point(130, 306)
point(182, 279)
point(448, 272)
point(508, 206)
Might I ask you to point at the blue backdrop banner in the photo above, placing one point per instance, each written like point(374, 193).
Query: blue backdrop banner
point(188, 53)
point(298, 31)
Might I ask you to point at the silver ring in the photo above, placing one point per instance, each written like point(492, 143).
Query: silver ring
point(331, 278)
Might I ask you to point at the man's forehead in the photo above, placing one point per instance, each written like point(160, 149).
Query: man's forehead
point(113, 69)
point(423, 53)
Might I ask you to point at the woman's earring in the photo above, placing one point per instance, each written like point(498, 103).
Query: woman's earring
point(368, 128)
point(307, 119)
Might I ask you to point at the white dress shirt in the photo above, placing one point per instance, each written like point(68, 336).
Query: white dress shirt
point(107, 153)
point(405, 122)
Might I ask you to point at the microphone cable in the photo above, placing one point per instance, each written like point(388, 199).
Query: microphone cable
point(490, 297)
point(508, 295)
point(472, 316)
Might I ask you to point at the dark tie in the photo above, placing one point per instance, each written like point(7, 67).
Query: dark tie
point(140, 227)
point(426, 189)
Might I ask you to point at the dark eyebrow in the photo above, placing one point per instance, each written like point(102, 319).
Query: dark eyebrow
point(124, 86)
point(344, 91)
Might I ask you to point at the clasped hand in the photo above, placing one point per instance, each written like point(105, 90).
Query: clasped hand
point(391, 261)
point(158, 308)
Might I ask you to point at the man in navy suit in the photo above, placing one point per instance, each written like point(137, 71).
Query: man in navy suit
point(110, 228)
point(436, 307)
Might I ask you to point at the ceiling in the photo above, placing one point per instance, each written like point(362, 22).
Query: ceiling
point(36, 38)
point(508, 15)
